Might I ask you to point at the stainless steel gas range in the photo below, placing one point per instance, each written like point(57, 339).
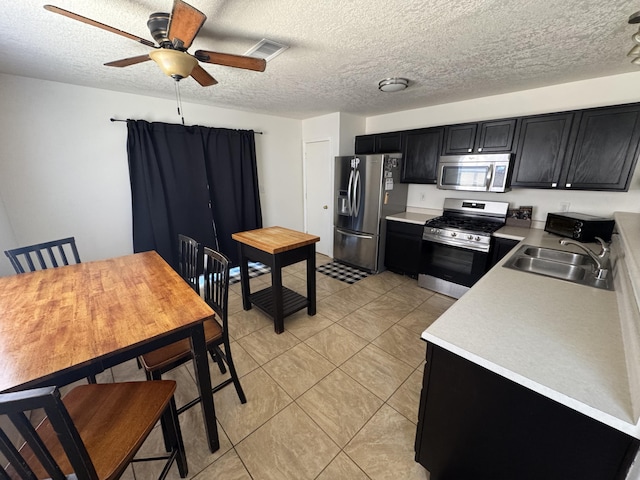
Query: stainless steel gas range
point(455, 246)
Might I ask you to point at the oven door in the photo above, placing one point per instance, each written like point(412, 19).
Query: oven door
point(457, 265)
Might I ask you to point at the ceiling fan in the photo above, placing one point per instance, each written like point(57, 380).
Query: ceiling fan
point(174, 34)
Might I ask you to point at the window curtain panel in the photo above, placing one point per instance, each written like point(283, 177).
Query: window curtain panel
point(233, 180)
point(175, 172)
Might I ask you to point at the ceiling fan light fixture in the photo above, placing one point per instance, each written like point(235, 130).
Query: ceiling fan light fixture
point(393, 84)
point(174, 63)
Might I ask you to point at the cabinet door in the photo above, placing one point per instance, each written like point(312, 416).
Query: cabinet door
point(460, 139)
point(494, 137)
point(365, 144)
point(605, 151)
point(421, 152)
point(402, 250)
point(499, 248)
point(389, 142)
point(542, 145)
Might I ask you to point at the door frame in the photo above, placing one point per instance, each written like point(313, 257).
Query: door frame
point(305, 170)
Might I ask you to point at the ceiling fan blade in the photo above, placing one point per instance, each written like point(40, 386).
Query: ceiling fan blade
point(88, 21)
point(125, 62)
point(201, 76)
point(185, 23)
point(229, 60)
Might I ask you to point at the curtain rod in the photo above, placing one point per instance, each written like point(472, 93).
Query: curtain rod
point(119, 120)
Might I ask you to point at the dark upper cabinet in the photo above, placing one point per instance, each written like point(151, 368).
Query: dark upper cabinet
point(542, 145)
point(494, 136)
point(594, 149)
point(422, 149)
point(605, 150)
point(379, 143)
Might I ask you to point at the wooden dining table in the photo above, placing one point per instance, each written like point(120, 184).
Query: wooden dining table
point(63, 324)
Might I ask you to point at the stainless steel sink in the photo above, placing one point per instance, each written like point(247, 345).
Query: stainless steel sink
point(568, 266)
point(557, 255)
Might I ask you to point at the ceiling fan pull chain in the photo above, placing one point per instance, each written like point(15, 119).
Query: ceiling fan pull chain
point(179, 100)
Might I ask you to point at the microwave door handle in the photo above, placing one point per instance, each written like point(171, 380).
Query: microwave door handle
point(489, 177)
point(350, 193)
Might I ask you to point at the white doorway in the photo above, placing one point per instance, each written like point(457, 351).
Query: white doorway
point(318, 187)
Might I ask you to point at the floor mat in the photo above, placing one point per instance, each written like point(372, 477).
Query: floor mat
point(255, 270)
point(342, 272)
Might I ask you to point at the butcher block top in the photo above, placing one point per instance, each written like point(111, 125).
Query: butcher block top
point(275, 239)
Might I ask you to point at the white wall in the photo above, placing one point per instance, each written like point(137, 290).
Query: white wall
point(571, 96)
point(63, 164)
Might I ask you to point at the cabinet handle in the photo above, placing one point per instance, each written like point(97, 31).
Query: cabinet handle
point(554, 185)
point(480, 149)
point(568, 185)
point(470, 150)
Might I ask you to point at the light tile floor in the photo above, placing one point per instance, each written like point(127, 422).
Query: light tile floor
point(333, 397)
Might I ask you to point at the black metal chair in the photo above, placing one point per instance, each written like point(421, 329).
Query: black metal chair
point(93, 432)
point(215, 292)
point(43, 255)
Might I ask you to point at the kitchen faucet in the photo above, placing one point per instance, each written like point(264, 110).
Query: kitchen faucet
point(601, 259)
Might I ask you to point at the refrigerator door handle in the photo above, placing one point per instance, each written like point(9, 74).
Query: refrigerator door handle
point(350, 194)
point(351, 234)
point(357, 190)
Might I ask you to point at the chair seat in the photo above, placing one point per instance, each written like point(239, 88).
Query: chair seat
point(181, 350)
point(113, 420)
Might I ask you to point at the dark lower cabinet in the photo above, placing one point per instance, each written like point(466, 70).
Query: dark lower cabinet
point(402, 249)
point(474, 424)
point(499, 248)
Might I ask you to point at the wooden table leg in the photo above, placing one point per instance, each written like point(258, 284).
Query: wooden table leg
point(276, 289)
point(311, 279)
point(203, 380)
point(244, 277)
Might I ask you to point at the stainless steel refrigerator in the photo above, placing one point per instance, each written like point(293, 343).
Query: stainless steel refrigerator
point(367, 189)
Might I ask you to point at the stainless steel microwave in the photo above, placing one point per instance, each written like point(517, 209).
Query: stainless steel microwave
point(476, 173)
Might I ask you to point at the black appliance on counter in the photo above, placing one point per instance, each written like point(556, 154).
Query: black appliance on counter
point(579, 226)
point(455, 246)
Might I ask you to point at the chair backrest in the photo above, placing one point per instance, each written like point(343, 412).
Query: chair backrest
point(216, 283)
point(189, 261)
point(43, 255)
point(14, 405)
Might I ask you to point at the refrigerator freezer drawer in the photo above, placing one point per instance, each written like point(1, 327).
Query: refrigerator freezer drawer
point(357, 249)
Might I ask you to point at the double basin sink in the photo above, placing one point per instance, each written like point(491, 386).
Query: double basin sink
point(568, 266)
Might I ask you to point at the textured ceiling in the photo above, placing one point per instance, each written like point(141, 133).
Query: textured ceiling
point(450, 50)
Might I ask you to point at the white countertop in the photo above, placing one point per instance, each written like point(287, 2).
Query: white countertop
point(562, 340)
point(411, 217)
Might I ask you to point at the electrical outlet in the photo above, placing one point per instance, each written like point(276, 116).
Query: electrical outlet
point(564, 206)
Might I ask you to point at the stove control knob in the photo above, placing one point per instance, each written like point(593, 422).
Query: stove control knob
point(469, 237)
point(477, 239)
point(454, 234)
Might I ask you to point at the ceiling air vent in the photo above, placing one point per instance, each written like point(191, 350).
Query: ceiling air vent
point(267, 49)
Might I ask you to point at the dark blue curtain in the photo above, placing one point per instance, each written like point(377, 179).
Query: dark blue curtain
point(198, 181)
